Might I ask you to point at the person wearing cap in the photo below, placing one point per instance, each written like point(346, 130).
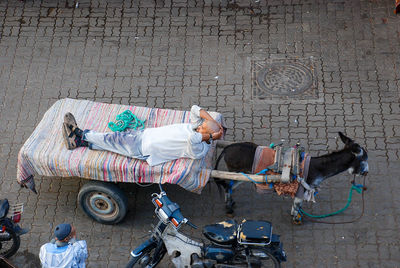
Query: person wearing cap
point(64, 251)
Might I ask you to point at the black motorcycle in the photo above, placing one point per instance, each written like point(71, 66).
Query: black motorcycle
point(248, 244)
point(10, 231)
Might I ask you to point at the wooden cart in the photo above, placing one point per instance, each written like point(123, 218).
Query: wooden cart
point(44, 153)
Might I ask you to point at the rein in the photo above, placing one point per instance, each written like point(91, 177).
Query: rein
point(358, 188)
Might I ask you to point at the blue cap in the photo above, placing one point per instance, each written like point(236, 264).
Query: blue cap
point(62, 231)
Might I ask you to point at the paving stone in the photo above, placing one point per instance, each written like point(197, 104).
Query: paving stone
point(167, 54)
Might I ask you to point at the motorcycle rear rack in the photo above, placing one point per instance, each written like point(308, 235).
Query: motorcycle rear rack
point(253, 243)
point(16, 210)
point(244, 242)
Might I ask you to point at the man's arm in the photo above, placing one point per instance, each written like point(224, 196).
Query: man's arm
point(207, 116)
point(80, 251)
point(213, 136)
point(197, 114)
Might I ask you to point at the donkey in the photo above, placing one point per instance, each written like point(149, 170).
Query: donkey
point(239, 158)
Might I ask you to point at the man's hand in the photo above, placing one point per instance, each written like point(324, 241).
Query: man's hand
point(73, 232)
point(220, 127)
point(206, 116)
point(217, 135)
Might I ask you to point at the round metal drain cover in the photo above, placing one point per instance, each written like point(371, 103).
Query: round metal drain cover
point(284, 78)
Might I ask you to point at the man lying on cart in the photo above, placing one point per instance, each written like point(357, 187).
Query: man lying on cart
point(155, 145)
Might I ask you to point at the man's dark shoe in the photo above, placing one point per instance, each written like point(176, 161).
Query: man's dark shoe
point(69, 137)
point(72, 134)
point(69, 119)
point(73, 137)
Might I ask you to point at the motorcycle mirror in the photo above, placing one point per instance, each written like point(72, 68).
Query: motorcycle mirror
point(161, 189)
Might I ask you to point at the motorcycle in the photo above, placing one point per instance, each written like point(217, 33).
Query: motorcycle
point(10, 231)
point(249, 244)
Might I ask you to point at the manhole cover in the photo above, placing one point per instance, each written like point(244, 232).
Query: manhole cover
point(284, 79)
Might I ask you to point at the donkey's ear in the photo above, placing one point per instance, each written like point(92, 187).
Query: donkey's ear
point(345, 140)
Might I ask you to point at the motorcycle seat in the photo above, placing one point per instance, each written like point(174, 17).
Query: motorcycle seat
point(4, 206)
point(255, 232)
point(222, 232)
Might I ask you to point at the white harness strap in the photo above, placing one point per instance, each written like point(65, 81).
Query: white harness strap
point(309, 191)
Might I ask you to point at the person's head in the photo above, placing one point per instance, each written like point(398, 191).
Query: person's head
point(64, 232)
point(208, 127)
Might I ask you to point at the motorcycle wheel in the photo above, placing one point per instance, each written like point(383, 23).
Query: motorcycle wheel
point(147, 258)
point(9, 242)
point(265, 257)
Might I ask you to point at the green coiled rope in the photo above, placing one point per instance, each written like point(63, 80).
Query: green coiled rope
point(358, 188)
point(126, 120)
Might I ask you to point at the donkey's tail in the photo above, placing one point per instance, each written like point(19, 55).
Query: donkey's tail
point(219, 158)
point(221, 184)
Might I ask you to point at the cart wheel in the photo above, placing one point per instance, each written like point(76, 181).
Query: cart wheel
point(103, 202)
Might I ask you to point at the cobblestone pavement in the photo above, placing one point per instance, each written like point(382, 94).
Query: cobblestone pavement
point(172, 54)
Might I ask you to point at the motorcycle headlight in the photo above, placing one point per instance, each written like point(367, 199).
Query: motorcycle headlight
point(163, 216)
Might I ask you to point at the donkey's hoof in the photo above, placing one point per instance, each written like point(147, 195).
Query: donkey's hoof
point(230, 205)
point(298, 220)
point(229, 212)
point(230, 215)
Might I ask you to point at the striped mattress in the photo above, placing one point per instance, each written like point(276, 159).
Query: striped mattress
point(45, 154)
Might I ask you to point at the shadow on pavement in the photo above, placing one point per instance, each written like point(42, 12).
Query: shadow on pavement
point(25, 259)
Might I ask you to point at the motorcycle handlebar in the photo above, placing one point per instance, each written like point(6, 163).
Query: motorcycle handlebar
point(170, 210)
point(191, 224)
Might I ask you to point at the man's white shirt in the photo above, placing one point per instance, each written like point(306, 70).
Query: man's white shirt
point(166, 143)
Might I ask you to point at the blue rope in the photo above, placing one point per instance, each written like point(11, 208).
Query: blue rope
point(231, 183)
point(244, 174)
point(262, 172)
point(272, 145)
